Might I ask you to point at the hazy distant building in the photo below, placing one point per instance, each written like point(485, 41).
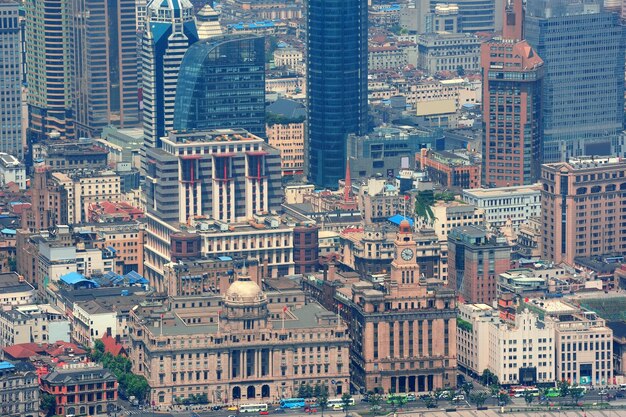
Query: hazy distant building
point(104, 55)
point(11, 75)
point(171, 30)
point(473, 15)
point(582, 100)
point(208, 22)
point(221, 85)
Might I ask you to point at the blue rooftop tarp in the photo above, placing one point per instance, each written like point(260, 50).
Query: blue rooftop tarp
point(224, 258)
point(74, 278)
point(6, 231)
point(6, 365)
point(134, 278)
point(398, 218)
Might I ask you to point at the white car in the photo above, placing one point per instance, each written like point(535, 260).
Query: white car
point(459, 397)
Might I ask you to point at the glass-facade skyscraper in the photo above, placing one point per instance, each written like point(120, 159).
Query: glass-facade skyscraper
point(582, 48)
point(221, 84)
point(336, 84)
point(170, 30)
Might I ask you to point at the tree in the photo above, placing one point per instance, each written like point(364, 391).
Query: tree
point(430, 401)
point(576, 393)
point(528, 397)
point(503, 398)
point(489, 378)
point(478, 398)
point(423, 202)
point(48, 404)
point(346, 399)
point(322, 398)
point(467, 388)
point(460, 71)
point(564, 388)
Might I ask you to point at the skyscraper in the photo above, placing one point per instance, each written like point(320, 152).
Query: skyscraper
point(104, 52)
point(512, 73)
point(48, 43)
point(221, 84)
point(11, 76)
point(336, 84)
point(171, 29)
point(582, 47)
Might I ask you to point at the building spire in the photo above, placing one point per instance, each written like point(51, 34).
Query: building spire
point(513, 19)
point(347, 189)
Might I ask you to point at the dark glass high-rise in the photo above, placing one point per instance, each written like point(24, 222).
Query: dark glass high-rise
point(336, 84)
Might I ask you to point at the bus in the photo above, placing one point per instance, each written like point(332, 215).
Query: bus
point(252, 408)
point(291, 403)
point(337, 403)
point(521, 391)
point(553, 393)
point(397, 399)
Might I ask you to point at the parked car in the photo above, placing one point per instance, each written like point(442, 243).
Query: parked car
point(459, 397)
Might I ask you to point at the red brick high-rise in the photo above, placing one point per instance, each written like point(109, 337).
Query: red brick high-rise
point(512, 73)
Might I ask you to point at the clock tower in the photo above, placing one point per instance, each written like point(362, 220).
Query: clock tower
point(405, 271)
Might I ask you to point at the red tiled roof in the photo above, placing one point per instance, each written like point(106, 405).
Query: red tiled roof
point(24, 350)
point(111, 346)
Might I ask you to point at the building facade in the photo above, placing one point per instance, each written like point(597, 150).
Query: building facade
point(246, 346)
point(336, 84)
point(592, 126)
point(222, 179)
point(475, 260)
point(81, 389)
point(581, 208)
point(104, 51)
point(20, 390)
point(512, 74)
point(289, 139)
point(221, 85)
point(48, 34)
point(504, 204)
point(403, 335)
point(520, 352)
point(450, 169)
point(11, 74)
point(171, 30)
point(447, 52)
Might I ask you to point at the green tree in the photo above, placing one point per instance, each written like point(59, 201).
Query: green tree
point(564, 388)
point(48, 404)
point(503, 398)
point(576, 393)
point(467, 388)
point(430, 401)
point(346, 399)
point(489, 378)
point(302, 391)
point(322, 398)
point(528, 397)
point(423, 205)
point(478, 398)
point(460, 71)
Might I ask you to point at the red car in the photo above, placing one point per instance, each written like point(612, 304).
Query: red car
point(264, 413)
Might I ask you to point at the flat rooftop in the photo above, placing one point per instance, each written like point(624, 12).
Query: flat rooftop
point(502, 191)
point(10, 283)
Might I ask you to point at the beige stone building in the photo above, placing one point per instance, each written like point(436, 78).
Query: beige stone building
point(289, 139)
point(403, 335)
point(247, 346)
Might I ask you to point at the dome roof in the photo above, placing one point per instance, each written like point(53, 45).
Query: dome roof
point(244, 290)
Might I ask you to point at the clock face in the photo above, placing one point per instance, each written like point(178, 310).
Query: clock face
point(407, 254)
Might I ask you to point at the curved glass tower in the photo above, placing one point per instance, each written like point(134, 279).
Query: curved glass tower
point(221, 84)
point(336, 84)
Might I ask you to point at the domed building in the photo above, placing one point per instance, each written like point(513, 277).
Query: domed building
point(245, 346)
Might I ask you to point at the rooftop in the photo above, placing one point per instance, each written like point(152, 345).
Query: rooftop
point(213, 136)
point(11, 282)
point(503, 191)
